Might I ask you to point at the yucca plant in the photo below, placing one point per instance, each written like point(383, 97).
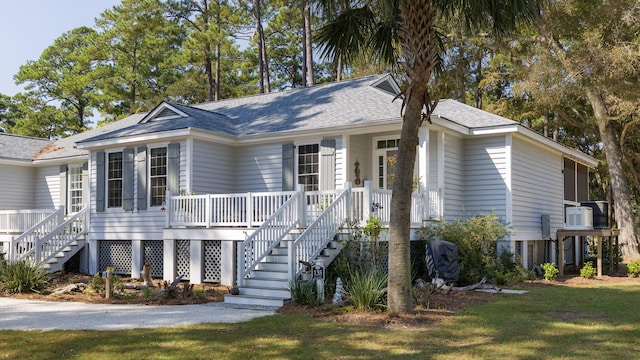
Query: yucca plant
point(304, 292)
point(22, 276)
point(366, 289)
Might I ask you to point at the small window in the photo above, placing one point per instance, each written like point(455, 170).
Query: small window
point(75, 188)
point(114, 179)
point(309, 166)
point(158, 176)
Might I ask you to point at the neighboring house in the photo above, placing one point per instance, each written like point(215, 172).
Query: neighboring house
point(182, 186)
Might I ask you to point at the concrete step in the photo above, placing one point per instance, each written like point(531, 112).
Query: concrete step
point(255, 300)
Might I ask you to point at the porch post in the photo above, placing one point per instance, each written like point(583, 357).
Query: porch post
point(136, 261)
point(167, 213)
point(366, 201)
point(302, 202)
point(349, 209)
point(169, 259)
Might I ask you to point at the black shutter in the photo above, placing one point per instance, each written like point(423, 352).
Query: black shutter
point(100, 179)
point(141, 159)
point(127, 179)
point(288, 164)
point(173, 168)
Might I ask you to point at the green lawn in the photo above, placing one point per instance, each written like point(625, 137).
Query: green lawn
point(587, 322)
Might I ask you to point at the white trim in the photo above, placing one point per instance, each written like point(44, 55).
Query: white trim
point(508, 148)
point(152, 115)
point(106, 180)
point(423, 155)
point(189, 165)
point(441, 170)
point(296, 157)
point(148, 179)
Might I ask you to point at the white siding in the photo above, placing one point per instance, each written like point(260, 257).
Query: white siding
point(258, 168)
point(47, 187)
point(537, 181)
point(213, 168)
point(485, 176)
point(17, 184)
point(453, 177)
point(360, 148)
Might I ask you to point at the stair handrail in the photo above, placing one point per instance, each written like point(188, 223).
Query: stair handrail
point(273, 230)
point(62, 236)
point(320, 232)
point(24, 245)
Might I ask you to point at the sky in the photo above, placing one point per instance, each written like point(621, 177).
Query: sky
point(29, 27)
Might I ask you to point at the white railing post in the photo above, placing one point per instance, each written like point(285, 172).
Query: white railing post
point(366, 201)
point(240, 264)
point(291, 260)
point(249, 209)
point(167, 209)
point(349, 202)
point(12, 245)
point(208, 202)
point(302, 208)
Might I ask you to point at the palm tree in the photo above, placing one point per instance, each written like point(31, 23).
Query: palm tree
point(403, 32)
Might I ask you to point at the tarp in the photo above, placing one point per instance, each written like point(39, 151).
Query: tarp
point(442, 260)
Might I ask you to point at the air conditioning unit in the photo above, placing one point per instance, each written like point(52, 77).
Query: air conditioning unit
point(579, 218)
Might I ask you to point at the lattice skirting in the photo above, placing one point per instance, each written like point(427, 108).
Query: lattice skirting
point(116, 254)
point(212, 261)
point(183, 258)
point(153, 253)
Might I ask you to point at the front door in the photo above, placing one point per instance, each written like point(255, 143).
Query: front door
point(385, 153)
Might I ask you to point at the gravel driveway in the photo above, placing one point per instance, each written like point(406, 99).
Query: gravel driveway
point(19, 314)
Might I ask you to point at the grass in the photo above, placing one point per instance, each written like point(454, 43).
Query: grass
point(590, 321)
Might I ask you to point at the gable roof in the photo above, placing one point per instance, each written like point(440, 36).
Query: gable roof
point(469, 116)
point(16, 147)
point(360, 101)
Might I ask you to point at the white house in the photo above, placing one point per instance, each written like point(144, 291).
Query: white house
point(241, 189)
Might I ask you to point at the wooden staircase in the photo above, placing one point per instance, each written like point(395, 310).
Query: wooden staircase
point(64, 254)
point(268, 284)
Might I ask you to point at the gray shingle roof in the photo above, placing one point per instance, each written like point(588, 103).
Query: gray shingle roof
point(17, 147)
point(469, 116)
point(333, 105)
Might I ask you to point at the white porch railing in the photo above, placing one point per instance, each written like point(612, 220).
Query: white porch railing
point(245, 209)
point(320, 232)
point(252, 209)
point(18, 221)
point(257, 246)
point(24, 245)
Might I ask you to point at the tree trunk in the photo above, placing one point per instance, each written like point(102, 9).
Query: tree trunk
point(308, 43)
point(261, 52)
point(621, 196)
point(218, 70)
point(209, 70)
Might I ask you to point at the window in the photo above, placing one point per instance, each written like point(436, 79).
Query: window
point(114, 179)
point(158, 176)
point(75, 188)
point(309, 166)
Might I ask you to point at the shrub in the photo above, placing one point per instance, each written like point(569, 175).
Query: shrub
point(588, 271)
point(476, 239)
point(304, 292)
point(22, 276)
point(98, 283)
point(633, 268)
point(366, 289)
point(550, 271)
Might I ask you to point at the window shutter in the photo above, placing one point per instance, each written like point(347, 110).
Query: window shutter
point(63, 188)
point(127, 179)
point(141, 159)
point(85, 184)
point(173, 168)
point(100, 179)
point(288, 164)
point(327, 164)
